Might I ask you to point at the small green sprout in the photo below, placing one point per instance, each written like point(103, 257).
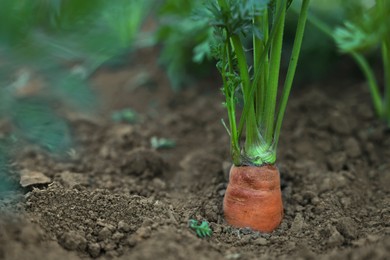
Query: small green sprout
point(126, 115)
point(203, 230)
point(161, 143)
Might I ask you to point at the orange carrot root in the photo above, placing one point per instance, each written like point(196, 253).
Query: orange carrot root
point(253, 198)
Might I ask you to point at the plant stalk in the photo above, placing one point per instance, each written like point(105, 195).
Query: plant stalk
point(273, 82)
point(386, 67)
point(291, 68)
point(258, 73)
point(372, 84)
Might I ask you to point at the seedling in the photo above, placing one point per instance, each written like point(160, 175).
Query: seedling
point(253, 197)
point(368, 29)
point(161, 143)
point(203, 230)
point(126, 115)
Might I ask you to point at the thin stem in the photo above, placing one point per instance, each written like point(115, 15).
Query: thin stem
point(263, 83)
point(273, 82)
point(372, 84)
point(384, 6)
point(258, 48)
point(291, 68)
point(242, 64)
point(251, 122)
point(386, 67)
point(230, 104)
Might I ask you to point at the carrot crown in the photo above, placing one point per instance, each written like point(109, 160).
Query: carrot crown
point(255, 80)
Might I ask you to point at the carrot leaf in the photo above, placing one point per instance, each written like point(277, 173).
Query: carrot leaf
point(202, 230)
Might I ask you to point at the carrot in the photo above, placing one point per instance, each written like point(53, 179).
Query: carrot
point(253, 198)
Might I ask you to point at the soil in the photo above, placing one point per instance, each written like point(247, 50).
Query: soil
point(116, 197)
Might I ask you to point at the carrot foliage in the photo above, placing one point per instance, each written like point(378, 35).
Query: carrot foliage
point(252, 74)
point(202, 229)
point(365, 29)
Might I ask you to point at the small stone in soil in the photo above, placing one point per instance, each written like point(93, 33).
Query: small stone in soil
point(222, 192)
point(30, 178)
point(261, 241)
point(297, 224)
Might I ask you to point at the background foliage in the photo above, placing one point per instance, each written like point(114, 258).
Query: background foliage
point(59, 44)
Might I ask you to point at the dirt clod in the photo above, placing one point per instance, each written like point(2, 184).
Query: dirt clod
point(335, 238)
point(71, 179)
point(73, 240)
point(347, 227)
point(352, 148)
point(94, 249)
point(336, 161)
point(144, 162)
point(104, 233)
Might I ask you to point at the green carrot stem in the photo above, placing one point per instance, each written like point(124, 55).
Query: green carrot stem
point(291, 68)
point(263, 83)
point(242, 65)
point(258, 48)
point(273, 81)
point(372, 84)
point(251, 124)
point(260, 72)
point(230, 100)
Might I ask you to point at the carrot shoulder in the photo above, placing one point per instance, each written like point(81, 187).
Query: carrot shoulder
point(253, 198)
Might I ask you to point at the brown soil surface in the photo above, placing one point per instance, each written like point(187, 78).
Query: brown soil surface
point(117, 197)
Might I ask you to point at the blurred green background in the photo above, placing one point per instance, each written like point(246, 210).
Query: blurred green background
point(63, 42)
